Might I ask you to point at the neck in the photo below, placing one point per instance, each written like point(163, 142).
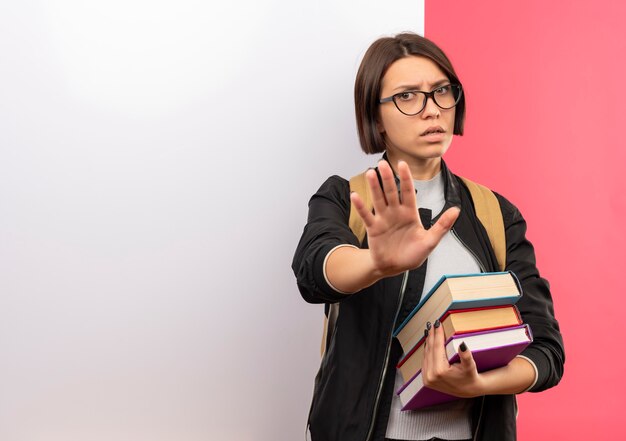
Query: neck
point(422, 169)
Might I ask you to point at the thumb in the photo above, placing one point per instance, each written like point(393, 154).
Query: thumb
point(445, 222)
point(467, 360)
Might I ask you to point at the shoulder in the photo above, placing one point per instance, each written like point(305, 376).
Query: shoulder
point(335, 185)
point(334, 188)
point(510, 213)
point(331, 197)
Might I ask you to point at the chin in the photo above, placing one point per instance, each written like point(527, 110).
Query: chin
point(431, 151)
point(419, 150)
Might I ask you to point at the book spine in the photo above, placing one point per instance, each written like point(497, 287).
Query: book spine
point(419, 305)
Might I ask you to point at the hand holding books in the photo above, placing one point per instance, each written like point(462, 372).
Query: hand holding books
point(491, 331)
point(447, 381)
point(459, 379)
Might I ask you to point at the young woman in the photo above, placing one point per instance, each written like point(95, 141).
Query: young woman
point(409, 103)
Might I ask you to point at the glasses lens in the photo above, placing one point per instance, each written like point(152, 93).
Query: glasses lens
point(409, 103)
point(448, 96)
point(413, 102)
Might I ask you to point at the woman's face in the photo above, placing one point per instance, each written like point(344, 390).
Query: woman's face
point(405, 136)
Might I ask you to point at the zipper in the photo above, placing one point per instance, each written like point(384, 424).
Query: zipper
point(480, 264)
point(387, 354)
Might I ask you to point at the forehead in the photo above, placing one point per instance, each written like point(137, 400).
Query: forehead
point(414, 71)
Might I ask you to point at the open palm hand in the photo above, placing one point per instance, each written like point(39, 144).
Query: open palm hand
point(397, 239)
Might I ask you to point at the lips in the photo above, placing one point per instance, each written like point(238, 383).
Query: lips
point(433, 129)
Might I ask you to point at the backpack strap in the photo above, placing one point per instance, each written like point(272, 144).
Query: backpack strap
point(359, 185)
point(488, 211)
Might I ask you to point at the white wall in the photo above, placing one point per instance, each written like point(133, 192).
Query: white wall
point(156, 158)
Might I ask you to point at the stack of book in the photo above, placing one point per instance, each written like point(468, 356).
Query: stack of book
point(478, 309)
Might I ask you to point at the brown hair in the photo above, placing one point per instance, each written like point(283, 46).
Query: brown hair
point(380, 55)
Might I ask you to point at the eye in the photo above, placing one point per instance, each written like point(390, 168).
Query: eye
point(443, 90)
point(406, 96)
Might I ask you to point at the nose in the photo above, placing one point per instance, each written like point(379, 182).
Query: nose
point(431, 109)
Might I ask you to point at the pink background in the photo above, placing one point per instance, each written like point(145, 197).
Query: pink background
point(546, 90)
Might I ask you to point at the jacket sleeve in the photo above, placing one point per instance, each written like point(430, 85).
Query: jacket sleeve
point(327, 227)
point(535, 305)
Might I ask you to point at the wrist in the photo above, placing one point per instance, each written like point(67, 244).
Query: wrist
point(380, 270)
point(481, 386)
point(348, 269)
point(514, 378)
point(376, 271)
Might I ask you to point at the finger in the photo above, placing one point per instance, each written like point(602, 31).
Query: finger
point(467, 360)
point(440, 339)
point(430, 345)
point(379, 202)
point(443, 225)
point(361, 209)
point(439, 346)
point(434, 363)
point(447, 219)
point(425, 362)
point(407, 189)
point(389, 183)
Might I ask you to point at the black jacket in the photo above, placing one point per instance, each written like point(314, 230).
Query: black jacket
point(353, 388)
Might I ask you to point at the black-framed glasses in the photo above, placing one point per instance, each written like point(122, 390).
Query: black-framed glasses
point(412, 102)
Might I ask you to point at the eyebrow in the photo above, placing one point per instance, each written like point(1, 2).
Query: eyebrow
point(417, 87)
